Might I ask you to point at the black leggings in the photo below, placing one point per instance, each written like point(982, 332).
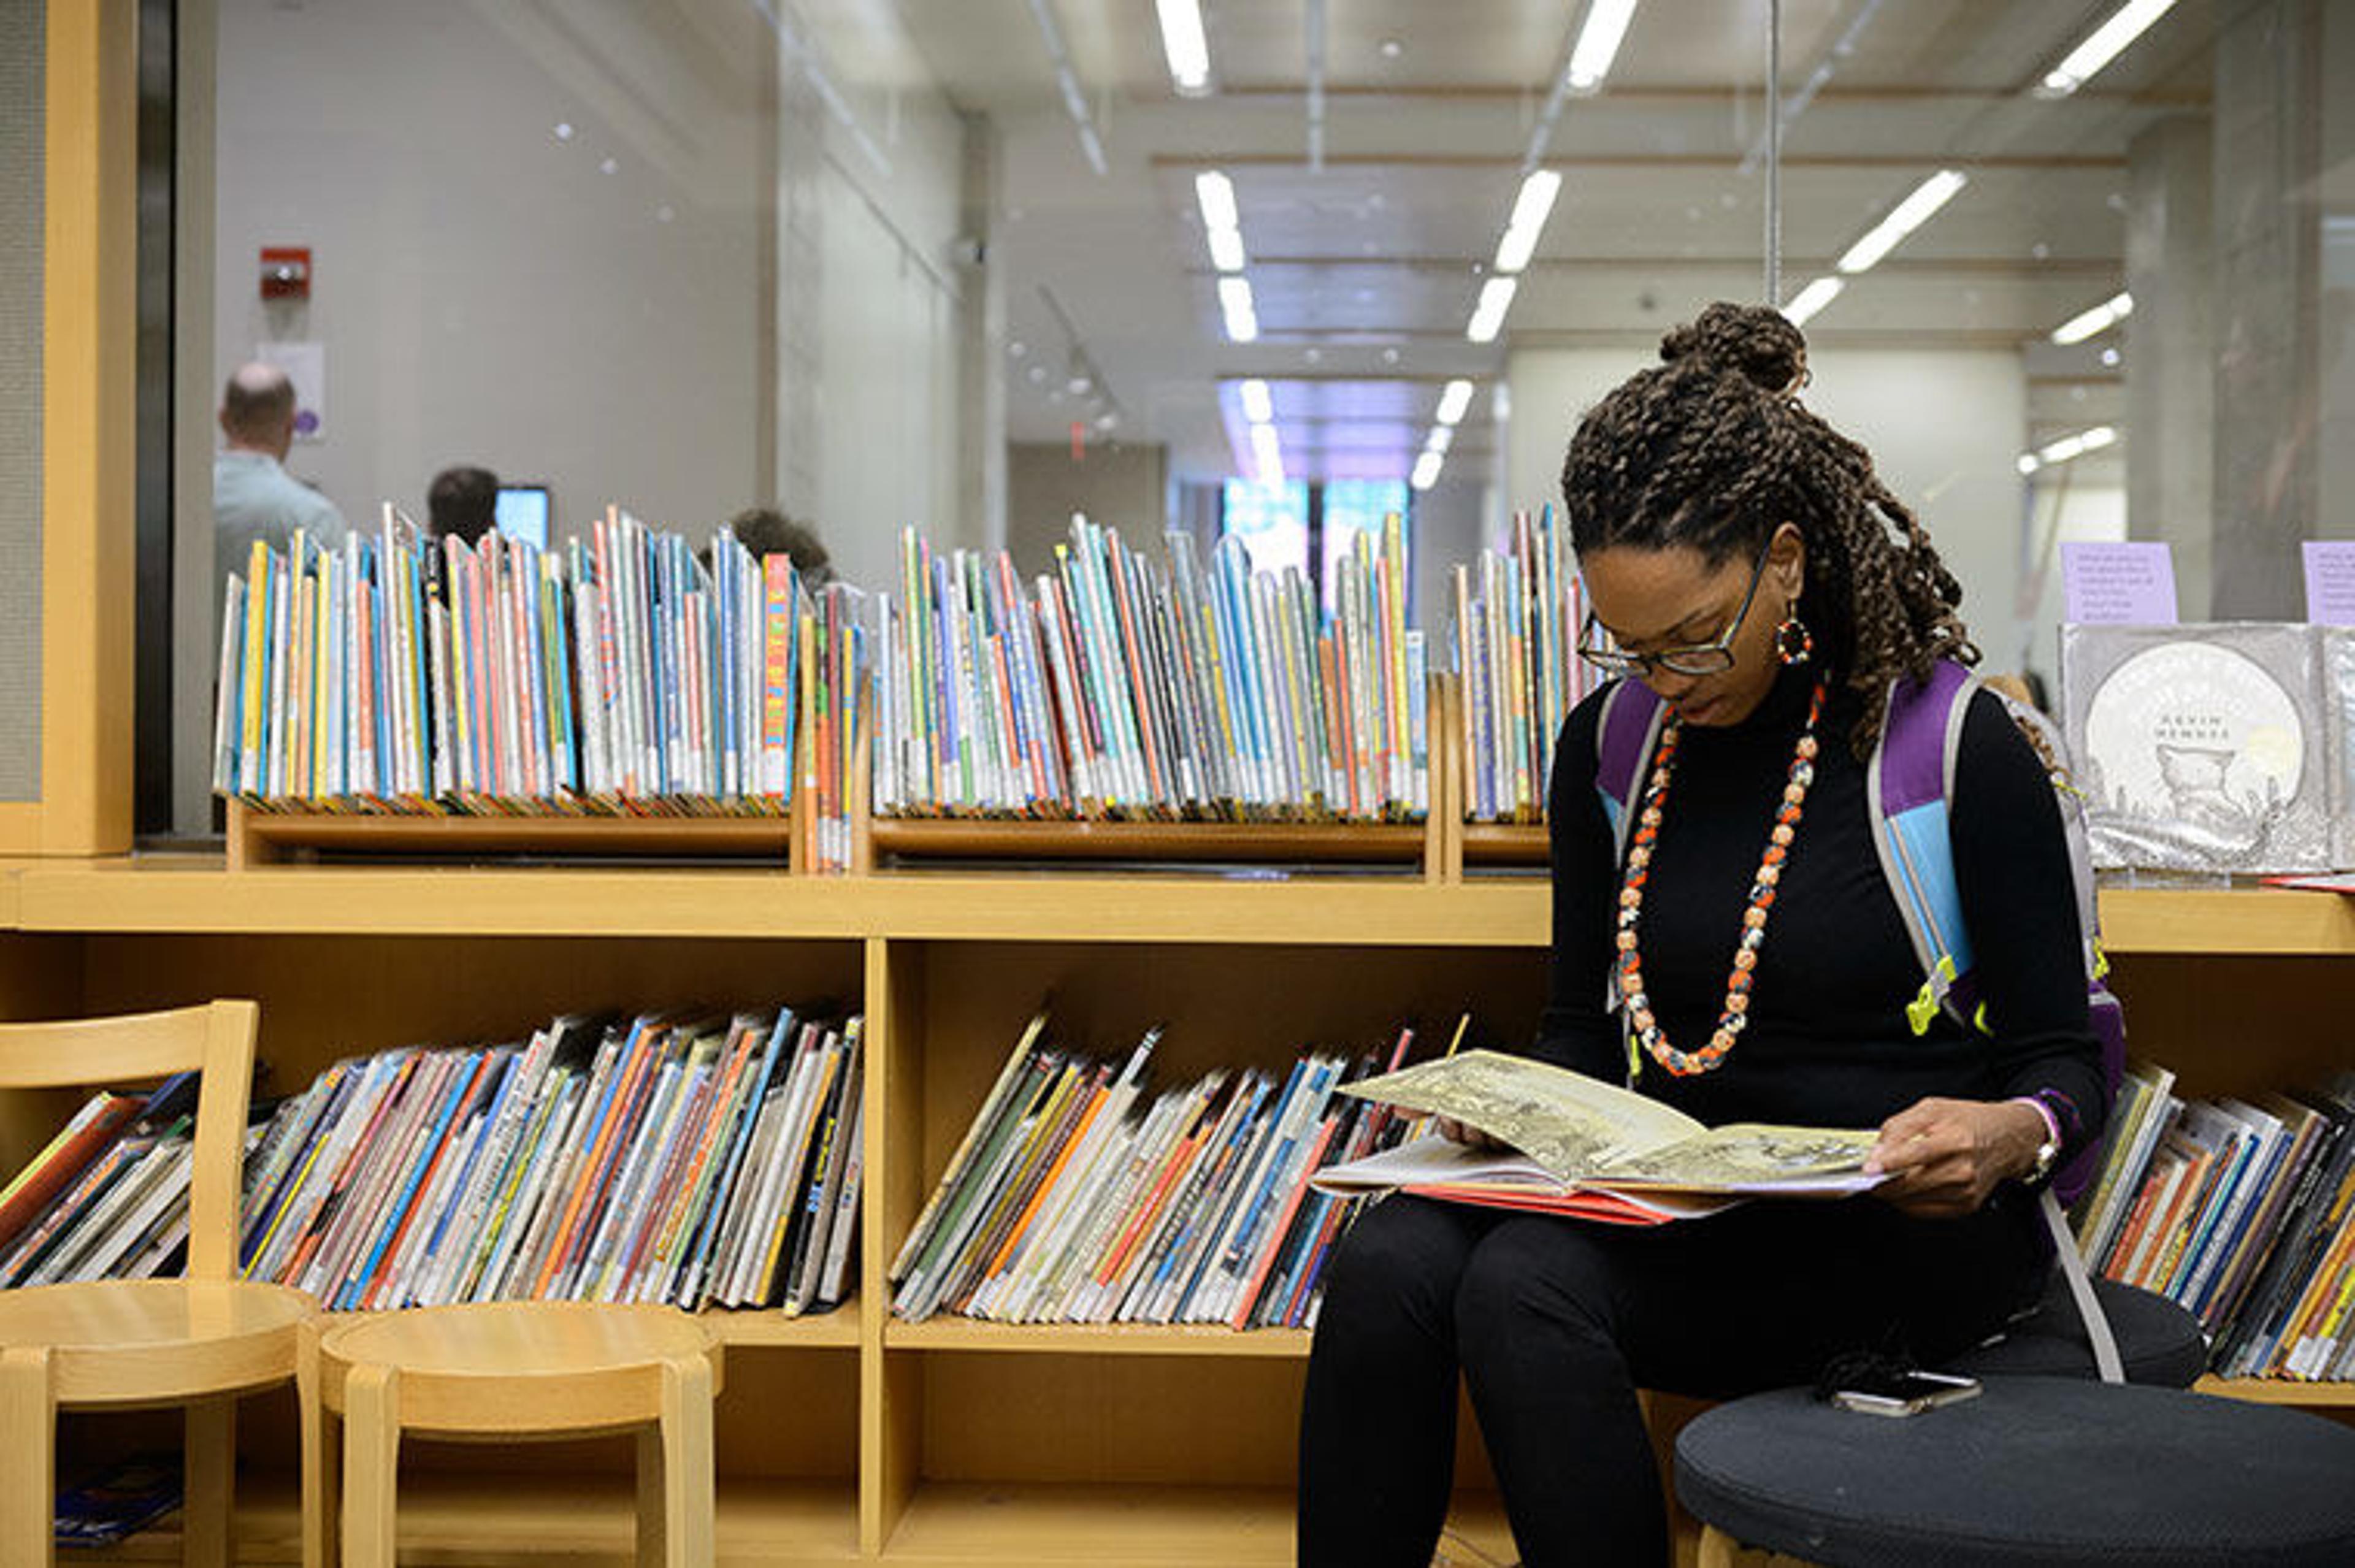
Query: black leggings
point(1554, 1325)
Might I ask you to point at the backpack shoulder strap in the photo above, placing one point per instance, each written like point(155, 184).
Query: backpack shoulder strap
point(1908, 784)
point(1625, 734)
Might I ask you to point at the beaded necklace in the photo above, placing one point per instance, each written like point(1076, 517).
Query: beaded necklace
point(1736, 1011)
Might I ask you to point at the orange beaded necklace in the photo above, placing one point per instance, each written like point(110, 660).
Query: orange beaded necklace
point(1736, 1012)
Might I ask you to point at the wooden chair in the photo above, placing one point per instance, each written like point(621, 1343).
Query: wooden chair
point(198, 1342)
point(496, 1372)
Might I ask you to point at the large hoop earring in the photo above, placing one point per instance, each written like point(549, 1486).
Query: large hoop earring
point(1794, 644)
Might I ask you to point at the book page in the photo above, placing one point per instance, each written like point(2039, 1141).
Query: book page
point(1750, 1157)
point(1571, 1125)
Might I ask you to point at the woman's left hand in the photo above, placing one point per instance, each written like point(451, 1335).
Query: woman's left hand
point(1945, 1157)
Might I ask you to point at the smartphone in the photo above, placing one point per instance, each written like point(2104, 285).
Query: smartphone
point(1907, 1393)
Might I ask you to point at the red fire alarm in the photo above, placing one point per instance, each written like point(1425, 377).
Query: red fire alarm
point(286, 271)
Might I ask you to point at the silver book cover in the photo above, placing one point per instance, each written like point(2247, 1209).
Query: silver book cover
point(2339, 691)
point(2202, 747)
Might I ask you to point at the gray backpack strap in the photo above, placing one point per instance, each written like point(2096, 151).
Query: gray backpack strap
point(2071, 1263)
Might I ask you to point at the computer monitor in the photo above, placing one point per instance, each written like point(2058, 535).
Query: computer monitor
point(523, 513)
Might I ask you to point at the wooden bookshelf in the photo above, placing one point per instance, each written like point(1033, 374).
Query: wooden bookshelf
point(851, 1436)
point(283, 837)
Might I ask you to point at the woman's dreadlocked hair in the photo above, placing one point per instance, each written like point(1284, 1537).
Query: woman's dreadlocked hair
point(1712, 451)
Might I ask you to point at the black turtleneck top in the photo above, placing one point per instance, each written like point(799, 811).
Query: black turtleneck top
point(1828, 1043)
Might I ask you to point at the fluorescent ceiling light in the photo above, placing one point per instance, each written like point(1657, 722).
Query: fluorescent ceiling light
point(1259, 404)
point(1268, 455)
point(1426, 470)
point(2101, 318)
point(1598, 43)
point(1214, 193)
point(1182, 40)
point(2077, 445)
point(1440, 438)
point(1454, 401)
point(1812, 298)
point(2102, 46)
point(1488, 316)
point(1235, 300)
point(1530, 209)
point(1911, 214)
point(1227, 250)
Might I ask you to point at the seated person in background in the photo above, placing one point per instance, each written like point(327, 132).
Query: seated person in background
point(253, 496)
point(764, 530)
point(463, 501)
point(1744, 961)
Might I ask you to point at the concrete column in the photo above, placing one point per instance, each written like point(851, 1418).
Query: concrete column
point(980, 414)
point(2268, 114)
point(2170, 354)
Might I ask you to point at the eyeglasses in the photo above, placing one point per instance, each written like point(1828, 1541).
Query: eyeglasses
point(1694, 658)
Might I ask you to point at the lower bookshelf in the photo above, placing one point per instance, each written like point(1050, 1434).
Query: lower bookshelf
point(852, 1437)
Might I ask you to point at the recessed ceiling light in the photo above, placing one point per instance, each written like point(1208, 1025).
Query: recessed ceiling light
point(1390, 48)
point(564, 130)
point(1389, 355)
point(2109, 356)
point(1037, 373)
point(610, 166)
point(1017, 349)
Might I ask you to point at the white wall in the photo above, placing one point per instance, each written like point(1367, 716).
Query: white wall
point(484, 290)
point(487, 292)
point(1946, 430)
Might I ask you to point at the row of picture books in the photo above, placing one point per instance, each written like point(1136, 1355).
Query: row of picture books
point(1079, 1194)
point(1119, 685)
point(398, 672)
point(2242, 1211)
point(626, 673)
point(1518, 613)
point(691, 1160)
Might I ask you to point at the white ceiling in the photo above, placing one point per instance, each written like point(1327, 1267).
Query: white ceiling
point(1365, 268)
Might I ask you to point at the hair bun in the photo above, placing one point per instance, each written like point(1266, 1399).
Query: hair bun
point(1752, 340)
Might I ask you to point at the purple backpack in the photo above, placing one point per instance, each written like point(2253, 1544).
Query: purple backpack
point(1909, 779)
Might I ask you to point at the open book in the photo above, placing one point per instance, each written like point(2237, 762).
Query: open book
point(1589, 1147)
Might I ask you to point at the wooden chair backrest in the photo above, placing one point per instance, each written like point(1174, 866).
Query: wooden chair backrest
point(215, 1038)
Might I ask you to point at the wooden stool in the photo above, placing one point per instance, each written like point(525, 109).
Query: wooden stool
point(198, 1342)
point(500, 1371)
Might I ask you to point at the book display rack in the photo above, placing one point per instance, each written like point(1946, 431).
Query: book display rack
point(854, 1435)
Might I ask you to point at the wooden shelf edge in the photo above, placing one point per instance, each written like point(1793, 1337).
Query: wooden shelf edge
point(2287, 922)
point(2280, 1391)
point(1094, 1339)
point(958, 1524)
point(1371, 843)
point(492, 1520)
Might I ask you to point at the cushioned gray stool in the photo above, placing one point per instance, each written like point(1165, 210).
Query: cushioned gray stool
point(2158, 1342)
point(2037, 1470)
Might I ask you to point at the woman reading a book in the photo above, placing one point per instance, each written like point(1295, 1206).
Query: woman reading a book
point(1743, 561)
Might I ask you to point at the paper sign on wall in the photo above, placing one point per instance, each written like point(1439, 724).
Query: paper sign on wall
point(2121, 582)
point(2330, 581)
point(305, 365)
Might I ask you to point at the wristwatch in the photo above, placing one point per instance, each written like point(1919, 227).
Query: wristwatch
point(2048, 1153)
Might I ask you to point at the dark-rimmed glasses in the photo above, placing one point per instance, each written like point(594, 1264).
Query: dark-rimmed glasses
point(1694, 658)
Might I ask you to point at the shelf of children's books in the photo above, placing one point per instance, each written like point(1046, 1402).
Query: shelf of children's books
point(835, 1330)
point(1507, 845)
point(2335, 1396)
point(1096, 1339)
point(911, 841)
point(258, 836)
